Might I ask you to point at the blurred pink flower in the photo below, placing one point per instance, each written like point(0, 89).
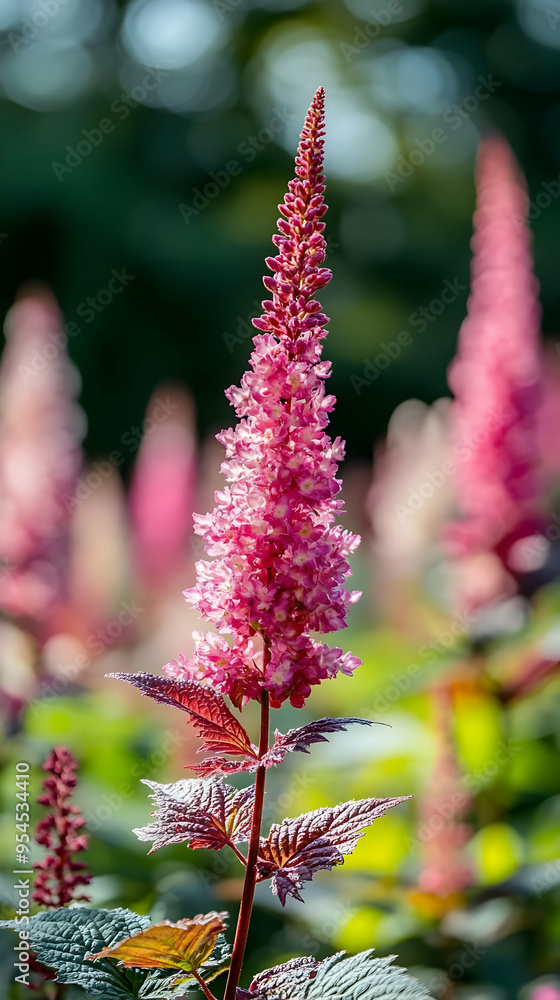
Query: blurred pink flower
point(546, 991)
point(549, 414)
point(406, 507)
point(280, 561)
point(496, 373)
point(442, 833)
point(99, 556)
point(161, 496)
point(40, 425)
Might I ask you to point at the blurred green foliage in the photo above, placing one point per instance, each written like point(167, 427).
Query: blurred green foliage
point(512, 921)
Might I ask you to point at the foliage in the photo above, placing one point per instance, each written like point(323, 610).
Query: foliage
point(344, 978)
point(66, 939)
point(204, 813)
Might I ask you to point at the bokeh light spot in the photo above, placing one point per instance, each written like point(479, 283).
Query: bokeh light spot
point(170, 34)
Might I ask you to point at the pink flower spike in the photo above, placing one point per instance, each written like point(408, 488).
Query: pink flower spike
point(40, 459)
point(162, 489)
point(496, 373)
point(60, 877)
point(446, 868)
point(279, 560)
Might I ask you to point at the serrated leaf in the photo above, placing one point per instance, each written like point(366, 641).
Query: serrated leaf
point(62, 938)
point(221, 765)
point(359, 977)
point(301, 739)
point(296, 739)
point(215, 724)
point(289, 979)
point(185, 945)
point(207, 814)
point(297, 848)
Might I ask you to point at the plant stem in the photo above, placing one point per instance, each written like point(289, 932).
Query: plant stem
point(204, 986)
point(238, 854)
point(244, 917)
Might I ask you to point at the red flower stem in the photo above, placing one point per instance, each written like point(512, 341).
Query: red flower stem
point(244, 917)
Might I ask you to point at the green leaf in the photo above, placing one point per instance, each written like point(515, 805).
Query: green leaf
point(62, 938)
point(218, 962)
point(359, 977)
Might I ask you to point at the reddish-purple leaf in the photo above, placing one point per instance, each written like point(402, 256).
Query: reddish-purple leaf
point(292, 976)
point(297, 848)
point(207, 814)
point(301, 739)
point(221, 765)
point(209, 714)
point(296, 739)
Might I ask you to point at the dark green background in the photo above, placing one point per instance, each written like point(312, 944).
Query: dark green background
point(192, 282)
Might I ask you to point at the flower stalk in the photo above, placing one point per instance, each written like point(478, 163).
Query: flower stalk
point(496, 373)
point(59, 875)
point(280, 561)
point(244, 917)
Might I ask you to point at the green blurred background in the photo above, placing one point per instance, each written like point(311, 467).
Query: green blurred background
point(228, 65)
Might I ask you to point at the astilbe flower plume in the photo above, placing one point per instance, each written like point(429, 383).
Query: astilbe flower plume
point(162, 489)
point(39, 457)
point(59, 876)
point(496, 374)
point(280, 560)
point(446, 870)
